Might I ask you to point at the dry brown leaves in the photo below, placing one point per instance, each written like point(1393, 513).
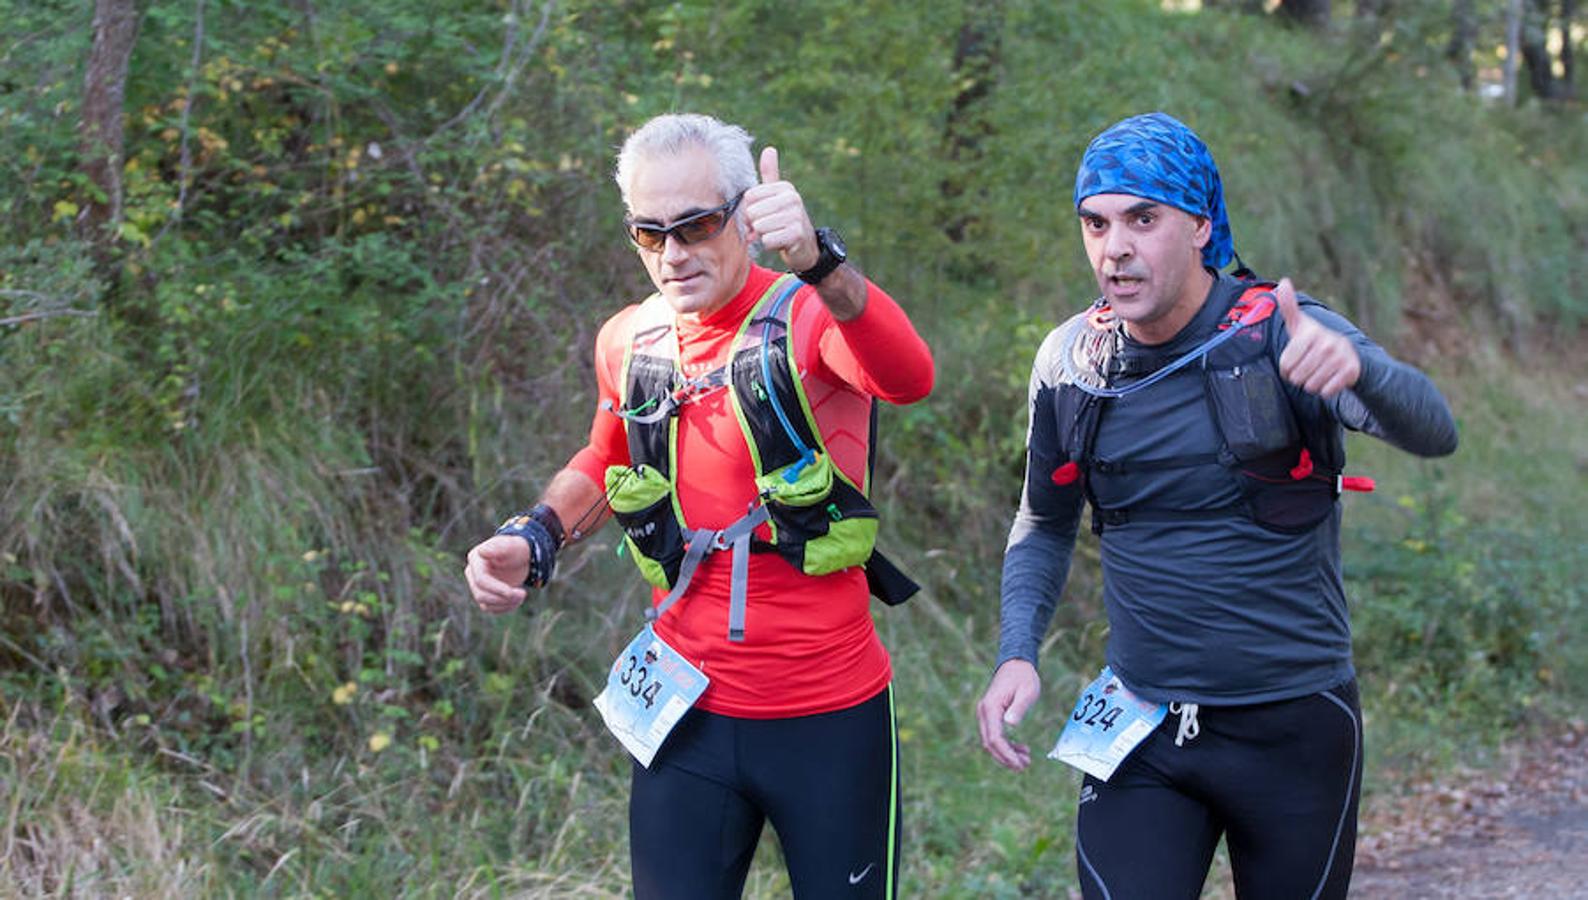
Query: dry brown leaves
point(1519, 830)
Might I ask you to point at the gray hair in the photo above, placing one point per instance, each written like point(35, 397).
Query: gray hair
point(673, 133)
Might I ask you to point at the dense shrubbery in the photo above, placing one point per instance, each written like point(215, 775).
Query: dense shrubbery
point(344, 322)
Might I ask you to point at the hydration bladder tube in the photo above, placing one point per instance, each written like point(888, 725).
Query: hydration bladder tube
point(807, 455)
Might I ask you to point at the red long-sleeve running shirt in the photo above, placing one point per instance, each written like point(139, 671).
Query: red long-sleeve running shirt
point(809, 646)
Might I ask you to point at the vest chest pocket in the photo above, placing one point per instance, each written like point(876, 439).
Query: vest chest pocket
point(1284, 504)
point(1251, 410)
point(823, 523)
point(642, 502)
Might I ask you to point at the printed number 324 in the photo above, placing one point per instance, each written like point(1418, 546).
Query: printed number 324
point(1096, 711)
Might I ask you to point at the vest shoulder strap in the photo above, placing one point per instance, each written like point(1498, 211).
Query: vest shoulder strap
point(769, 397)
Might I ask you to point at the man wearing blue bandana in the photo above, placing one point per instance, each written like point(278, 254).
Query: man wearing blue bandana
point(1201, 415)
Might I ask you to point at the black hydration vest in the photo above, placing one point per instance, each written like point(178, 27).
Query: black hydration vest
point(820, 520)
point(1289, 473)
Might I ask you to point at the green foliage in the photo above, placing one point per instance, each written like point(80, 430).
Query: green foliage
point(345, 319)
point(1460, 617)
point(1466, 574)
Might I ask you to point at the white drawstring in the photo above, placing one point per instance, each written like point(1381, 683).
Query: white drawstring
point(1189, 729)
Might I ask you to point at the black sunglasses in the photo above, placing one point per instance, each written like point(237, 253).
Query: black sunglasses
point(702, 226)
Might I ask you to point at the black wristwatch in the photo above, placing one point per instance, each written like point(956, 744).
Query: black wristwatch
point(833, 254)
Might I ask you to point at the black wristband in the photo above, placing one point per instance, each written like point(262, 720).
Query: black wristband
point(541, 528)
point(548, 517)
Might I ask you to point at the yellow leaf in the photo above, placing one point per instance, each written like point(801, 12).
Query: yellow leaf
point(379, 741)
point(65, 209)
point(131, 233)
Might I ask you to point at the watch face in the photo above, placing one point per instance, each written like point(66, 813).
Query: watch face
point(836, 243)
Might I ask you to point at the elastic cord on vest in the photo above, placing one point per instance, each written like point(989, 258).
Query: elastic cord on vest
point(692, 389)
point(807, 455)
point(1259, 311)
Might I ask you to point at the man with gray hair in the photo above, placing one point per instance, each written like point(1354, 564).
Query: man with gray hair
point(732, 442)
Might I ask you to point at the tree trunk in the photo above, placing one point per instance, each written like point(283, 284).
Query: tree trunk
point(1311, 13)
point(100, 132)
point(1513, 48)
point(1534, 49)
point(1463, 36)
point(1568, 54)
point(976, 56)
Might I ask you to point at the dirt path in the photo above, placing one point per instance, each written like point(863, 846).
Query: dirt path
point(1519, 831)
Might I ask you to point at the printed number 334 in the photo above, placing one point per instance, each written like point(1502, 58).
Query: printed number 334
point(634, 677)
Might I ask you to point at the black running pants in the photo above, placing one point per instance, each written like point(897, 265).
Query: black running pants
point(1280, 781)
point(828, 783)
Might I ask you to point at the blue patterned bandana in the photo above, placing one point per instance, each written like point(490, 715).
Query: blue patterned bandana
point(1156, 157)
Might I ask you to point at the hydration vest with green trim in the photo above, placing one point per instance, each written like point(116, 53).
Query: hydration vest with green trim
point(820, 521)
point(1288, 467)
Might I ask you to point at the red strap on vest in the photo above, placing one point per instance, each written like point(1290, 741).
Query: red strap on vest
point(1256, 304)
point(1360, 483)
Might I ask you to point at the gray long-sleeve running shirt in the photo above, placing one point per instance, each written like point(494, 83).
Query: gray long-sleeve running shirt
point(1215, 610)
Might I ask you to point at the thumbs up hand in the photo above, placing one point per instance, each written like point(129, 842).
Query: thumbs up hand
point(777, 218)
point(1318, 359)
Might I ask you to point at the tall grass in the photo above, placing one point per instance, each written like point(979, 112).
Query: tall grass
point(81, 819)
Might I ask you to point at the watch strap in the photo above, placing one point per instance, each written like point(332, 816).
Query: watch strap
point(828, 260)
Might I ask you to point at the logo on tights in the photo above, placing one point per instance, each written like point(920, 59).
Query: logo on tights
point(1087, 794)
point(856, 879)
